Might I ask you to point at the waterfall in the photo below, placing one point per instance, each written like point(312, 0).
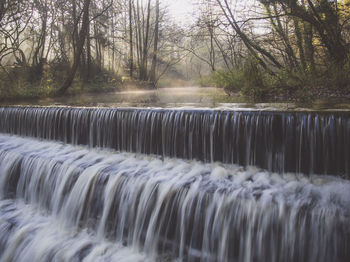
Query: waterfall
point(301, 142)
point(173, 185)
point(61, 202)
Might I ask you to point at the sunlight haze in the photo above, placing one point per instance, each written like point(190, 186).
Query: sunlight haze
point(180, 10)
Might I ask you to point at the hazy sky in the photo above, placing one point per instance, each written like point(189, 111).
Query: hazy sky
point(180, 10)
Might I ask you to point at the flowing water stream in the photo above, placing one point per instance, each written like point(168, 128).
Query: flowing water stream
point(101, 184)
point(302, 142)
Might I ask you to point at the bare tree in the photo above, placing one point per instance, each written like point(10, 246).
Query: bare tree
point(79, 46)
point(155, 45)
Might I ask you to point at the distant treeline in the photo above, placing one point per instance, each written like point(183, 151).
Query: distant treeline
point(295, 48)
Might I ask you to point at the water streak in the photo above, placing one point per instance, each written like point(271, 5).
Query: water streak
point(301, 142)
point(63, 203)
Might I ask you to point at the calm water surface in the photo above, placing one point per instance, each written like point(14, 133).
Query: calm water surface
point(189, 97)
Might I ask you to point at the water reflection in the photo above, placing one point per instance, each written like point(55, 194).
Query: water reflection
point(189, 97)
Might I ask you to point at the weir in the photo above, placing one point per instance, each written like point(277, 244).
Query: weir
point(173, 185)
point(302, 142)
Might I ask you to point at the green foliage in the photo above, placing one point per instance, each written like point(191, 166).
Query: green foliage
point(339, 76)
point(303, 95)
point(229, 80)
point(18, 82)
point(254, 82)
point(205, 81)
point(27, 82)
point(254, 85)
point(250, 80)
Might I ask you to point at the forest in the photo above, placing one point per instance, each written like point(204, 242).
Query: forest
point(290, 49)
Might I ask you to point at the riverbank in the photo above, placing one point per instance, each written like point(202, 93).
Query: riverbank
point(232, 88)
point(257, 84)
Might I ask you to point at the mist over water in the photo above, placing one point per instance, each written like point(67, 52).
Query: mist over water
point(185, 97)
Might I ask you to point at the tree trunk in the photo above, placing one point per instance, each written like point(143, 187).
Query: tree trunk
point(283, 34)
point(88, 55)
point(79, 48)
point(138, 34)
point(155, 47)
point(326, 23)
point(40, 48)
point(299, 43)
point(143, 69)
point(131, 56)
point(212, 57)
point(308, 47)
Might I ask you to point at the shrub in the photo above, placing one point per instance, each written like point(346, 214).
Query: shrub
point(18, 82)
point(253, 80)
point(250, 80)
point(205, 81)
point(231, 81)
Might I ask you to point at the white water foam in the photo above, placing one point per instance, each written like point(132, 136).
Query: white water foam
point(86, 204)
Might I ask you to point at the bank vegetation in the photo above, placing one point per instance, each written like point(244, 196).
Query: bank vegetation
point(277, 49)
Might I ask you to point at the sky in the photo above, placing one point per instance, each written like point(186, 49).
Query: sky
point(180, 10)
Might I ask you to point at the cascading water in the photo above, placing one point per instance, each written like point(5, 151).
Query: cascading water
point(63, 202)
point(302, 142)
